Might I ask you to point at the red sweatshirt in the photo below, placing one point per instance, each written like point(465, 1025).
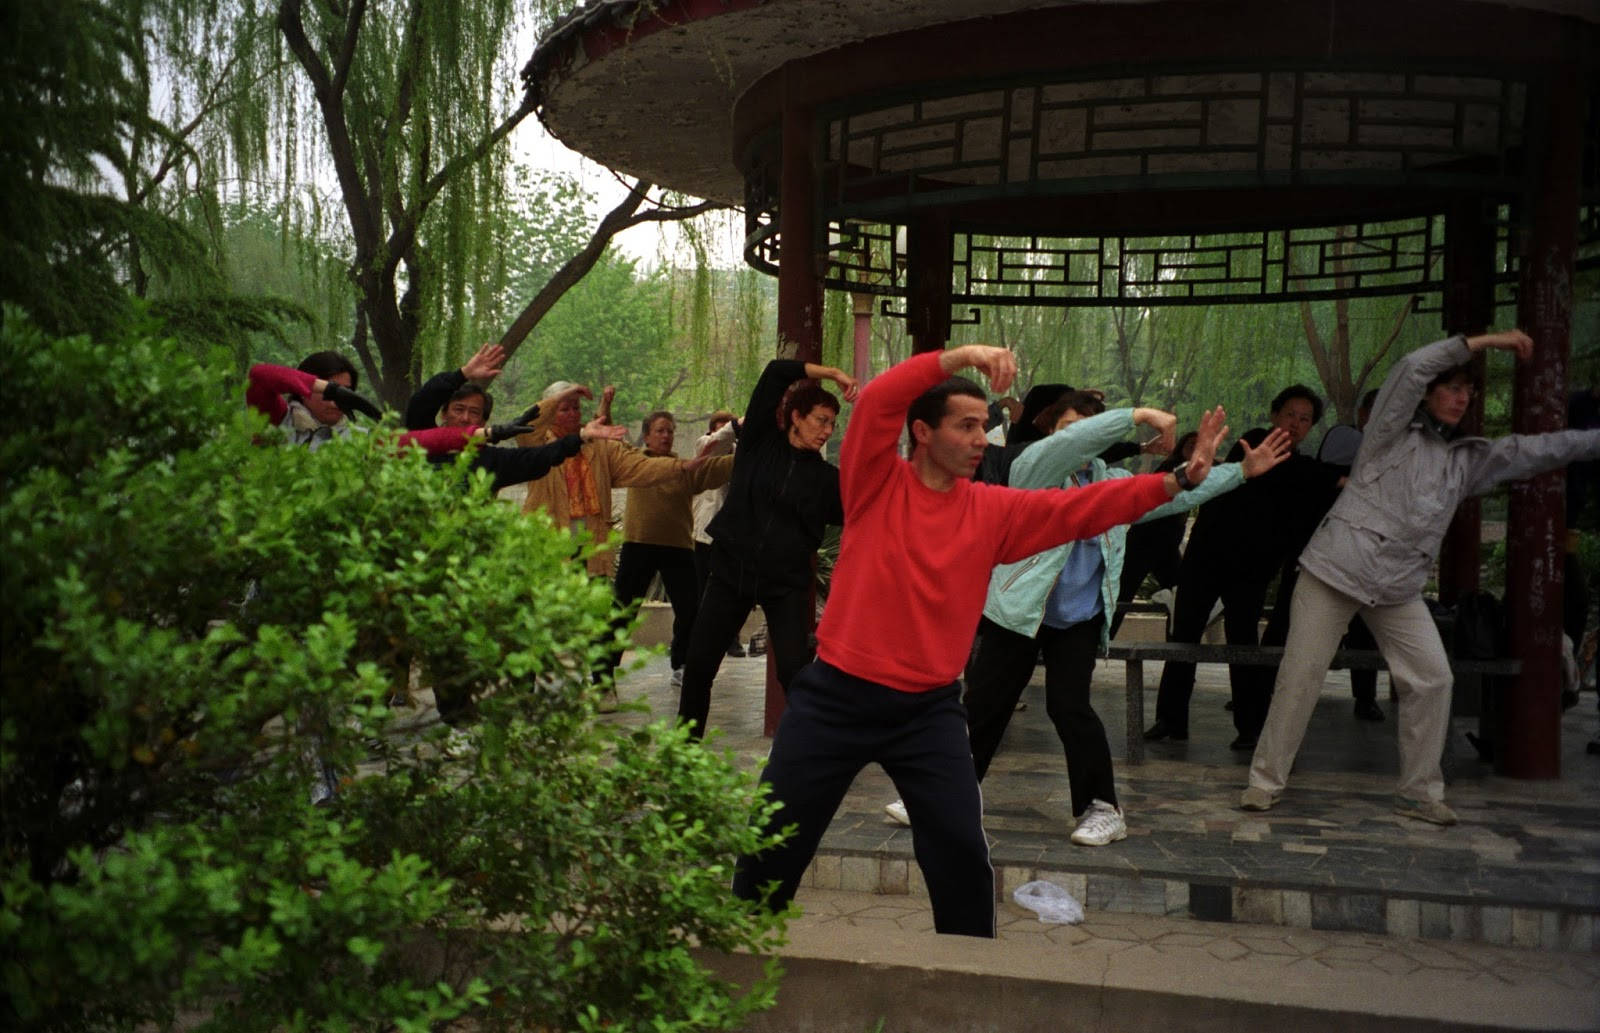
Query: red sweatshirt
point(914, 563)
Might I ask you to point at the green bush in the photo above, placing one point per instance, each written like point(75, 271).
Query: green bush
point(194, 617)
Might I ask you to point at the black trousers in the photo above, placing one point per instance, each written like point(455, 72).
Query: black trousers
point(637, 563)
point(835, 724)
point(1000, 671)
point(723, 609)
point(1154, 549)
point(1363, 684)
point(1243, 598)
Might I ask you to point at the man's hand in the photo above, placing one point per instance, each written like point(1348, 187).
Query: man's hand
point(1213, 428)
point(1274, 449)
point(347, 400)
point(1165, 424)
point(485, 365)
point(1506, 340)
point(598, 430)
point(604, 415)
point(529, 414)
point(998, 364)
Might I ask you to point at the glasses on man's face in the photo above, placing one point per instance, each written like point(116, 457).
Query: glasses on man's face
point(465, 412)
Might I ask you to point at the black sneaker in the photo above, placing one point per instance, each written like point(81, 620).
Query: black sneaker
point(1161, 730)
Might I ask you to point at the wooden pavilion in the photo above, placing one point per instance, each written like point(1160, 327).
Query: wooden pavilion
point(947, 154)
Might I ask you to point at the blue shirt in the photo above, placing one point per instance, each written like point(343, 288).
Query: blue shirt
point(1075, 597)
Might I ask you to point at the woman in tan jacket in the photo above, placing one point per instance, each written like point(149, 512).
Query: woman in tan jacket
point(577, 495)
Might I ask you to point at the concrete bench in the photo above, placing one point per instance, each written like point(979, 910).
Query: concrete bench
point(1135, 654)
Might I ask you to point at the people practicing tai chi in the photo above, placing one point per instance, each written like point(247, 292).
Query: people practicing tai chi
point(658, 535)
point(782, 496)
point(1238, 543)
point(920, 539)
point(1055, 603)
point(580, 499)
point(456, 398)
point(1376, 548)
point(310, 402)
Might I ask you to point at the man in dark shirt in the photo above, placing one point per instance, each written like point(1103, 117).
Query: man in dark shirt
point(1238, 543)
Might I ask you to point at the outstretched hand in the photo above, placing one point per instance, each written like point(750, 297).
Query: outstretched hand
point(1213, 428)
point(1274, 449)
point(847, 386)
point(1505, 340)
point(529, 414)
point(485, 365)
point(599, 430)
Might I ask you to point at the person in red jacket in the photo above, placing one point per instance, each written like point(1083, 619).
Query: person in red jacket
point(920, 538)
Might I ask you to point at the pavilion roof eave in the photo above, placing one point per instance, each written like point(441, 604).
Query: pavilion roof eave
point(649, 86)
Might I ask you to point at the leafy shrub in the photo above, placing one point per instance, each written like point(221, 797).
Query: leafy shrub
point(193, 622)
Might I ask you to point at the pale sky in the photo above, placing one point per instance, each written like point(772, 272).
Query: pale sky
point(647, 243)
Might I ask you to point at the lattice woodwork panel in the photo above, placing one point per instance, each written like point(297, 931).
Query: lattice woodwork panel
point(1272, 125)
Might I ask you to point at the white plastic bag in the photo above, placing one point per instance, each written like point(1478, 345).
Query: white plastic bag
point(1053, 905)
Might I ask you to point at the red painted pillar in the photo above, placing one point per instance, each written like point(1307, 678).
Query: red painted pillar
point(861, 308)
point(929, 253)
point(1536, 528)
point(799, 288)
point(1468, 309)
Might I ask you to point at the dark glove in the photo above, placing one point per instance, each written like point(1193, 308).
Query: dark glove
point(529, 416)
point(351, 403)
point(506, 431)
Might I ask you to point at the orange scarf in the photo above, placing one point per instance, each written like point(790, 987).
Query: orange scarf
point(582, 499)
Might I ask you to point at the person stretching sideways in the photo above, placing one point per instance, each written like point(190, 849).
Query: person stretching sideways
point(781, 497)
point(1376, 548)
point(1055, 603)
point(920, 539)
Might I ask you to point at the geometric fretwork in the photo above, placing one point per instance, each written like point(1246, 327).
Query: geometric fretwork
point(1397, 257)
point(1278, 265)
point(1237, 127)
point(1262, 125)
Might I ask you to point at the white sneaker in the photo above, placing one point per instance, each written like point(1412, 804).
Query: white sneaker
point(897, 811)
point(1101, 824)
point(1435, 811)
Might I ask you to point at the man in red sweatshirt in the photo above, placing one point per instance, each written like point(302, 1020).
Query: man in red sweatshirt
point(920, 538)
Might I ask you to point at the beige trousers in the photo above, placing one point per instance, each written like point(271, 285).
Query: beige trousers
point(1418, 666)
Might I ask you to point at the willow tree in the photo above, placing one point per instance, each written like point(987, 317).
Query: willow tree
point(83, 156)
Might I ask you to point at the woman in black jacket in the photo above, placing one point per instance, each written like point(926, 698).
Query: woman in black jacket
point(782, 496)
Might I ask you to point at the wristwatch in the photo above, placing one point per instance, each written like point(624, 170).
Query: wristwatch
point(1181, 475)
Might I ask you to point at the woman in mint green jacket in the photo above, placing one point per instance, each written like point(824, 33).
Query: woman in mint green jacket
point(1056, 603)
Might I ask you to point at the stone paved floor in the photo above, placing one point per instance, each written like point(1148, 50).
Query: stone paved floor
point(1455, 984)
point(1525, 853)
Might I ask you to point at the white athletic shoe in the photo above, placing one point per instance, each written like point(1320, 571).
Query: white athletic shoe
point(897, 811)
point(1101, 824)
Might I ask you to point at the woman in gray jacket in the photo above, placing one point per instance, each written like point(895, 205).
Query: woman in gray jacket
point(1375, 549)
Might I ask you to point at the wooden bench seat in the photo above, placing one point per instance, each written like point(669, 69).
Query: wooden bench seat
point(1135, 654)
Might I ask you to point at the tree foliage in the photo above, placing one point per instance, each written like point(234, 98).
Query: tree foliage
point(194, 624)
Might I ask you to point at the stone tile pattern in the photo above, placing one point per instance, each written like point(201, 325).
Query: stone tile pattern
point(1521, 870)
